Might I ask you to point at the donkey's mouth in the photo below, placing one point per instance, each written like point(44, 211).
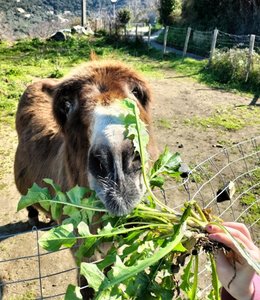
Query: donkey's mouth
point(119, 199)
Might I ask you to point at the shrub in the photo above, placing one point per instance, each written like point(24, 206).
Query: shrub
point(230, 66)
point(123, 16)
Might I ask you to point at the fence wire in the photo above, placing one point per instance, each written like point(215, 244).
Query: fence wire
point(227, 183)
point(200, 42)
point(226, 40)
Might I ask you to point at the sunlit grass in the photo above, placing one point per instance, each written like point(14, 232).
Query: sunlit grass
point(28, 60)
point(231, 119)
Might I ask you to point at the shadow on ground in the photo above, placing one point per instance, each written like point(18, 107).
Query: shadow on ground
point(12, 229)
point(254, 100)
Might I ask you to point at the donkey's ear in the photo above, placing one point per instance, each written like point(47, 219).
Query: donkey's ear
point(66, 101)
point(93, 55)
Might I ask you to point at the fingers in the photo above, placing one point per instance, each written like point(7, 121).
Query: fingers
point(217, 234)
point(239, 226)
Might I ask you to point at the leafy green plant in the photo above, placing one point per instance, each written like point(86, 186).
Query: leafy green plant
point(147, 247)
point(123, 16)
point(231, 66)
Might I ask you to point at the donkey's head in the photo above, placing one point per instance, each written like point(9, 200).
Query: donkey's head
point(87, 107)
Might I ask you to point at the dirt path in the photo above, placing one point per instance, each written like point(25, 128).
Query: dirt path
point(179, 102)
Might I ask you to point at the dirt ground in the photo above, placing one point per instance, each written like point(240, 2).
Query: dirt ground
point(177, 100)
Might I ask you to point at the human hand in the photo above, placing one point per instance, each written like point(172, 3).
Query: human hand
point(234, 273)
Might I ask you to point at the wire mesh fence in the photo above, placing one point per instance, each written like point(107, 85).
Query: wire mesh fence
point(200, 42)
point(226, 40)
point(227, 183)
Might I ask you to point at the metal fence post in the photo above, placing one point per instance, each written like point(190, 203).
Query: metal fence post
point(250, 55)
point(186, 42)
point(165, 39)
point(213, 44)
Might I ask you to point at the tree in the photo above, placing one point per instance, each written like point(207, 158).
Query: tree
point(123, 16)
point(236, 17)
point(166, 9)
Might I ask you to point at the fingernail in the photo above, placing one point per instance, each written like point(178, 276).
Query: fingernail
point(212, 236)
point(209, 227)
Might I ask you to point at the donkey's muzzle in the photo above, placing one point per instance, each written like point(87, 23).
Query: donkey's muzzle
point(115, 175)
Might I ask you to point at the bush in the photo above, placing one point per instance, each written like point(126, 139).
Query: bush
point(123, 16)
point(230, 66)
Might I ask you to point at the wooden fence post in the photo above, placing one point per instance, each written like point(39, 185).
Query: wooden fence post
point(149, 36)
point(95, 26)
point(213, 45)
point(165, 39)
point(250, 55)
point(110, 28)
point(186, 42)
point(83, 13)
point(125, 31)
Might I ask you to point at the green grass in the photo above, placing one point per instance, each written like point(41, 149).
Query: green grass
point(28, 60)
point(231, 119)
point(164, 123)
point(29, 295)
point(249, 198)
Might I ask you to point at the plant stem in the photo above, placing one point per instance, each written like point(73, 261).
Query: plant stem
point(201, 213)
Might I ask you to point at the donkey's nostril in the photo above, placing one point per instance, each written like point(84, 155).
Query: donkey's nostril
point(131, 161)
point(137, 157)
point(136, 163)
point(98, 163)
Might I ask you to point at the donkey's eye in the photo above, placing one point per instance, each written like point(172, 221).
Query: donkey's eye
point(67, 107)
point(140, 94)
point(136, 91)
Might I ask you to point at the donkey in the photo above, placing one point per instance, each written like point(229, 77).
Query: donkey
point(69, 130)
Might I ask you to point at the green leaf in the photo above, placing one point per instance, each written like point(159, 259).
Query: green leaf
point(76, 194)
point(74, 214)
point(118, 267)
point(56, 211)
point(135, 128)
point(215, 295)
point(241, 249)
point(93, 275)
point(55, 187)
point(187, 275)
point(73, 293)
point(138, 286)
point(86, 249)
point(59, 236)
point(107, 229)
point(180, 248)
point(106, 295)
point(34, 195)
point(107, 261)
point(193, 292)
point(83, 229)
point(121, 272)
point(56, 207)
point(167, 163)
point(157, 181)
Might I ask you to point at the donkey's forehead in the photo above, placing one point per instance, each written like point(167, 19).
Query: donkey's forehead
point(106, 70)
point(107, 124)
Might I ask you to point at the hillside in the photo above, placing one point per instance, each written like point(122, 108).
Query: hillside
point(22, 18)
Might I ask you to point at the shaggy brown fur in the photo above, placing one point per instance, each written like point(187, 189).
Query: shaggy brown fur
point(54, 118)
point(51, 146)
